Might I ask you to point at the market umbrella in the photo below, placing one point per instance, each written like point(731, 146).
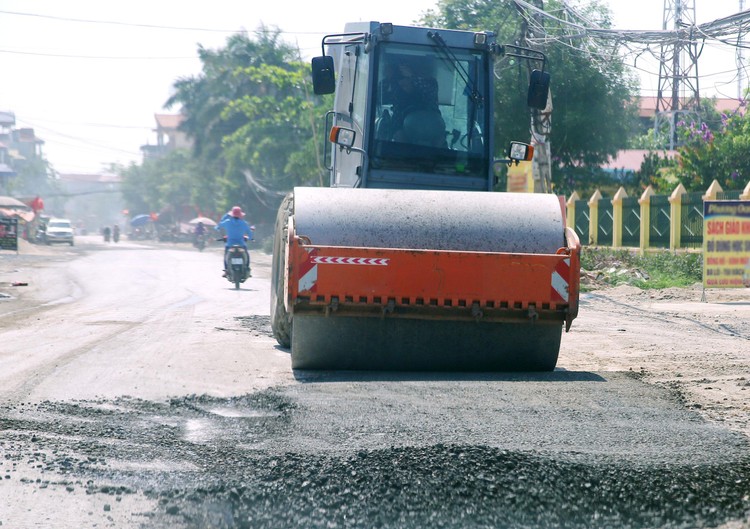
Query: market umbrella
point(205, 220)
point(140, 220)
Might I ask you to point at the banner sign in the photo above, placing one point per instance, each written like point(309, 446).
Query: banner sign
point(726, 243)
point(8, 234)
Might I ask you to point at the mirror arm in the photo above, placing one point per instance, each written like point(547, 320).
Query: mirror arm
point(361, 37)
point(365, 159)
point(521, 52)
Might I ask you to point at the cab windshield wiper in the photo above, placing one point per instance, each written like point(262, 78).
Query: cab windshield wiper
point(440, 44)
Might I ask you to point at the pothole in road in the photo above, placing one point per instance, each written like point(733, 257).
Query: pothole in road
point(130, 433)
point(260, 325)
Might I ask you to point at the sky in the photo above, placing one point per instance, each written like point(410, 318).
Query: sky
point(89, 75)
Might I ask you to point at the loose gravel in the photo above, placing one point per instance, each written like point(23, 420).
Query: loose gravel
point(225, 463)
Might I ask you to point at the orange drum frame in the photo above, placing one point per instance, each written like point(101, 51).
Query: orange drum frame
point(426, 284)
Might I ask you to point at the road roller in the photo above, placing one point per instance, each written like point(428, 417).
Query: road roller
point(409, 260)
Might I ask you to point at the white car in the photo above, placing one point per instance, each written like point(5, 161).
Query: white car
point(59, 230)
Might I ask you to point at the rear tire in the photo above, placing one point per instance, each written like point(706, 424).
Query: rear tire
point(281, 320)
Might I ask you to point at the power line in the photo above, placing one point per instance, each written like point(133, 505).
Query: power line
point(105, 57)
point(154, 26)
point(115, 23)
point(97, 125)
point(574, 30)
point(85, 143)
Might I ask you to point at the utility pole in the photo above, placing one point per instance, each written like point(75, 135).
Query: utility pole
point(541, 122)
point(677, 93)
point(740, 62)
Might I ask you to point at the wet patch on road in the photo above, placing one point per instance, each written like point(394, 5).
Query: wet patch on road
point(106, 438)
point(210, 462)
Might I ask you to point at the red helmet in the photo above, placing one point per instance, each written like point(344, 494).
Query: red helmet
point(237, 212)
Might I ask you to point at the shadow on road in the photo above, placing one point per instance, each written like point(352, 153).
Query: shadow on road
point(559, 375)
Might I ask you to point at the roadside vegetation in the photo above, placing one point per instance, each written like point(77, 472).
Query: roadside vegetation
point(605, 267)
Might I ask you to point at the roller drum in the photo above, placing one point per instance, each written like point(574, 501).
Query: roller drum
point(344, 343)
point(434, 220)
point(427, 220)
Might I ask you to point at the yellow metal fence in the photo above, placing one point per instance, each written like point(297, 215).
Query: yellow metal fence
point(656, 221)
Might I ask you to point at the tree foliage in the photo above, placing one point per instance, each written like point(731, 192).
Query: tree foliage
point(173, 182)
point(253, 127)
point(279, 122)
point(713, 147)
point(715, 154)
point(35, 177)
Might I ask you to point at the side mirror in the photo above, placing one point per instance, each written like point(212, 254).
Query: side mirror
point(324, 80)
point(538, 89)
point(343, 137)
point(520, 152)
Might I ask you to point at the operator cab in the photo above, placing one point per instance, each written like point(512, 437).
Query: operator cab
point(417, 104)
point(430, 113)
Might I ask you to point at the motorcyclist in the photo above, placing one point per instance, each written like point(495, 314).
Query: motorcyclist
point(237, 231)
point(199, 231)
point(199, 235)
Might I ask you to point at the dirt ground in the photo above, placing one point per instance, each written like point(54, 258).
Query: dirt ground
point(694, 342)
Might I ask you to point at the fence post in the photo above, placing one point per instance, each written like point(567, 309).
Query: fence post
point(746, 193)
point(713, 191)
point(645, 203)
point(617, 217)
point(594, 218)
point(570, 209)
point(675, 216)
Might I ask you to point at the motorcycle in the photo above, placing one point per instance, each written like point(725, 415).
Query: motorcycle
point(116, 234)
point(238, 265)
point(199, 241)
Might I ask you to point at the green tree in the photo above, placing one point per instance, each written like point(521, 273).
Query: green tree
point(592, 110)
point(175, 182)
point(279, 123)
point(658, 171)
point(252, 124)
point(720, 154)
point(204, 98)
point(252, 121)
point(663, 172)
point(35, 177)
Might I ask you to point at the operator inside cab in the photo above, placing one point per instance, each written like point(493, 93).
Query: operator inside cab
point(412, 89)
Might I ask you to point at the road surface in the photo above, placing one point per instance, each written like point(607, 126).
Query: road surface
point(138, 388)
